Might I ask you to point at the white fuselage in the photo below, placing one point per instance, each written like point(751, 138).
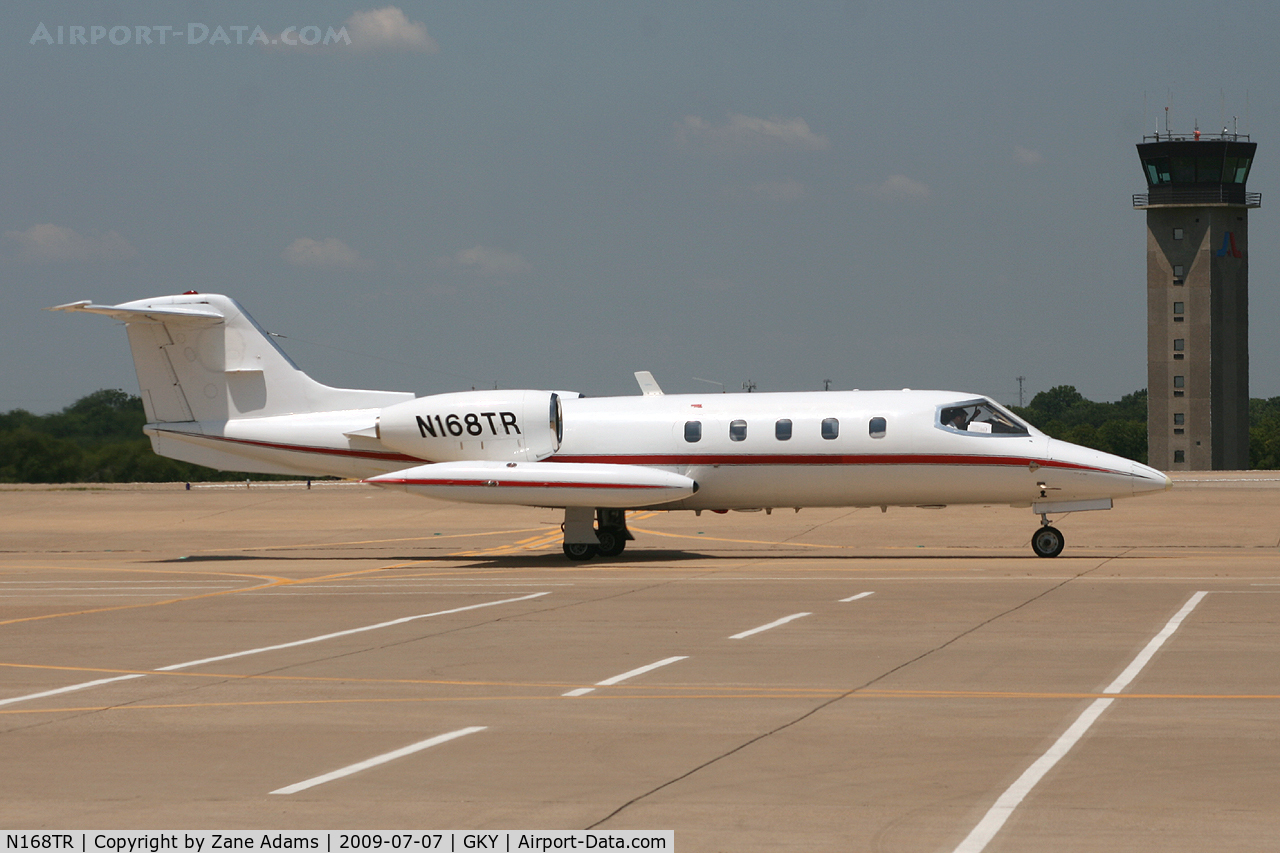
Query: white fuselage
point(912, 459)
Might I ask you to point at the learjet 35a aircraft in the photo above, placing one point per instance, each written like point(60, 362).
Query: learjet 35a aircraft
point(219, 392)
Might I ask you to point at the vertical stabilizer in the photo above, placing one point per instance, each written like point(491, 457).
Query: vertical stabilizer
point(201, 357)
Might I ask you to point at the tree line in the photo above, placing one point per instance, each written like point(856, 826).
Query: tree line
point(99, 439)
point(1121, 427)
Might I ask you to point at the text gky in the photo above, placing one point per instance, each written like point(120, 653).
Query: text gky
point(474, 424)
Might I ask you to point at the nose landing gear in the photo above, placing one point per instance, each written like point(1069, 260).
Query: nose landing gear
point(1048, 540)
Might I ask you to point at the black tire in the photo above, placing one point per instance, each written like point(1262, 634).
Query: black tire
point(1048, 542)
point(612, 542)
point(579, 551)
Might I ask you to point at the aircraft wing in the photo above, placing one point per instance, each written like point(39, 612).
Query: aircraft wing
point(549, 484)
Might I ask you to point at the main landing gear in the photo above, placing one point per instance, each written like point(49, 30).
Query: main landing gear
point(607, 539)
point(1048, 540)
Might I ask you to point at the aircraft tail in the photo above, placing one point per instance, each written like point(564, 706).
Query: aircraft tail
point(201, 357)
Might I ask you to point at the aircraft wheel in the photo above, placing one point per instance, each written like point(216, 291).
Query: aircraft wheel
point(1047, 542)
point(580, 551)
point(612, 542)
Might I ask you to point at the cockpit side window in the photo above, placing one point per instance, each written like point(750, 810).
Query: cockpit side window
point(980, 417)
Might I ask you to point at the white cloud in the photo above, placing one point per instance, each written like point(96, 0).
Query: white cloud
point(901, 188)
point(785, 191)
point(330, 253)
point(388, 29)
point(49, 243)
point(748, 134)
point(490, 262)
point(1026, 155)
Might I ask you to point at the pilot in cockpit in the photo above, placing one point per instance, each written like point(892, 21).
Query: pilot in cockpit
point(955, 418)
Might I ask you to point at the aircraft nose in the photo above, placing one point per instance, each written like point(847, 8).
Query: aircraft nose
point(1146, 479)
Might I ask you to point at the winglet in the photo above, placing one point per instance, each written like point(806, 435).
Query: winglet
point(648, 385)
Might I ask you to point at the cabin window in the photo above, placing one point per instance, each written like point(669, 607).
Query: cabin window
point(830, 428)
point(876, 427)
point(782, 430)
point(692, 431)
point(738, 431)
point(982, 417)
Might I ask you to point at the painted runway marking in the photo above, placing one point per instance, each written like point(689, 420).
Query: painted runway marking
point(981, 836)
point(69, 688)
point(379, 759)
point(277, 647)
point(855, 597)
point(784, 620)
point(618, 679)
point(346, 633)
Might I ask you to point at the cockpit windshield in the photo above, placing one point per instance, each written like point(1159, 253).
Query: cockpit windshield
point(981, 417)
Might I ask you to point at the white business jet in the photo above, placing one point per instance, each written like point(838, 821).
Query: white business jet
point(219, 392)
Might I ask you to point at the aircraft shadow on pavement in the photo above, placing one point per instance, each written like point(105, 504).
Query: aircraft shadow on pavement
point(515, 561)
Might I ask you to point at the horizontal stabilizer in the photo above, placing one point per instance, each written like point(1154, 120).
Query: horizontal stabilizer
point(174, 314)
point(550, 484)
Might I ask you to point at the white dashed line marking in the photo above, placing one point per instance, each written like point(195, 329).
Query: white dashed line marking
point(617, 679)
point(784, 620)
point(378, 759)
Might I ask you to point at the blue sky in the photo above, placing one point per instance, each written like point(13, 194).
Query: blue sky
point(540, 195)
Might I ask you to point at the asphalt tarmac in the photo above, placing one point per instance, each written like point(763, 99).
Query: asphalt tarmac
point(917, 680)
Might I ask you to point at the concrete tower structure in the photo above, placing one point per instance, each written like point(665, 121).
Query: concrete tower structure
point(1197, 299)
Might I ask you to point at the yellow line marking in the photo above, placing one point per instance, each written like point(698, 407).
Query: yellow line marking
point(274, 582)
point(724, 691)
point(382, 541)
point(739, 541)
point(621, 694)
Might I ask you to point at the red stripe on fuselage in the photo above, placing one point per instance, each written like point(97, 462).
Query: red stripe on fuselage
point(301, 448)
point(697, 459)
point(383, 481)
point(833, 459)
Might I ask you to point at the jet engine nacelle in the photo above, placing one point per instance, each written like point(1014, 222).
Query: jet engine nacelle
point(475, 425)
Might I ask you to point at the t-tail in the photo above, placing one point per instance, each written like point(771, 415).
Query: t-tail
point(214, 383)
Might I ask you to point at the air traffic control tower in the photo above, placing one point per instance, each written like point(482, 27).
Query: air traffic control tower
point(1197, 299)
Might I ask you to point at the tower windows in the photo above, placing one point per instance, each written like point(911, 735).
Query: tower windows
point(1177, 233)
point(1179, 347)
point(1179, 456)
point(1178, 309)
